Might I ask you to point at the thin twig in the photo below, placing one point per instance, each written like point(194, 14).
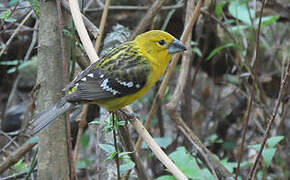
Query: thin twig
point(129, 147)
point(102, 25)
point(92, 29)
point(147, 19)
point(143, 133)
point(83, 34)
point(178, 92)
point(16, 156)
point(253, 92)
point(270, 122)
point(83, 114)
point(33, 41)
point(116, 147)
point(15, 32)
point(85, 39)
point(136, 8)
point(160, 94)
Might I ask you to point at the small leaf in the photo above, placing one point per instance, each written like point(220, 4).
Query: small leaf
point(268, 154)
point(218, 49)
point(126, 167)
point(271, 142)
point(266, 20)
point(240, 11)
point(121, 123)
point(255, 146)
point(112, 156)
point(33, 139)
point(108, 148)
point(166, 178)
point(10, 63)
point(85, 141)
point(123, 154)
point(232, 79)
point(13, 2)
point(197, 51)
point(98, 122)
point(81, 165)
point(219, 9)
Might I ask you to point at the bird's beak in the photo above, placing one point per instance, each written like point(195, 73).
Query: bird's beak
point(176, 46)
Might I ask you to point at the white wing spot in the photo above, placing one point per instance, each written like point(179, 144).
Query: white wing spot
point(104, 83)
point(107, 88)
point(130, 84)
point(102, 75)
point(84, 79)
point(91, 75)
point(137, 85)
point(76, 85)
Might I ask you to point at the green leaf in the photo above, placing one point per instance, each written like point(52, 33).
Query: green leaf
point(10, 63)
point(5, 16)
point(112, 155)
point(186, 163)
point(218, 49)
point(266, 20)
point(13, 2)
point(268, 154)
point(85, 141)
point(126, 167)
point(219, 9)
point(35, 6)
point(271, 142)
point(207, 175)
point(81, 165)
point(124, 154)
point(240, 11)
point(98, 122)
point(108, 148)
point(232, 79)
point(238, 28)
point(229, 165)
point(121, 123)
point(20, 166)
point(255, 146)
point(166, 178)
point(197, 51)
point(33, 139)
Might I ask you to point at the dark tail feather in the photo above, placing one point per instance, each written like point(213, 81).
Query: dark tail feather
point(46, 117)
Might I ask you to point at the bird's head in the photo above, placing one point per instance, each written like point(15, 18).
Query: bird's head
point(159, 44)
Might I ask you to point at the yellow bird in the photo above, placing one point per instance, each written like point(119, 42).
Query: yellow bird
point(119, 77)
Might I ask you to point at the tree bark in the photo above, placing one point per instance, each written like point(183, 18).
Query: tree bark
point(52, 155)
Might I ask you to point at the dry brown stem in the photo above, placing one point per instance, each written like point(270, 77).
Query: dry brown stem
point(188, 28)
point(135, 8)
point(102, 25)
point(147, 19)
point(172, 106)
point(92, 29)
point(15, 32)
point(158, 152)
point(253, 92)
point(83, 114)
point(129, 147)
point(270, 122)
point(82, 32)
point(16, 156)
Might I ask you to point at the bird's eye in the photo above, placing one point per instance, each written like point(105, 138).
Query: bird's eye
point(161, 42)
